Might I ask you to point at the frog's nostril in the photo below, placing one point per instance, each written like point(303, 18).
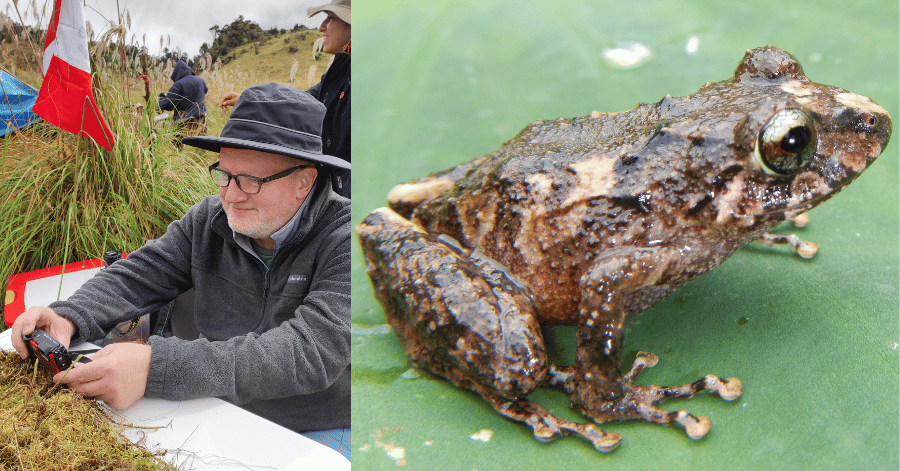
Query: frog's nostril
point(868, 118)
point(876, 124)
point(867, 121)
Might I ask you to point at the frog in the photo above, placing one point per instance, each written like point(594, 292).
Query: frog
point(593, 219)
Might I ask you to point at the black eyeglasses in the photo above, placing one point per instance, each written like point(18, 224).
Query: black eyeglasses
point(246, 183)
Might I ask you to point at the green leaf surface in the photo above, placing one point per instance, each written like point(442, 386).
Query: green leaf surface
point(814, 342)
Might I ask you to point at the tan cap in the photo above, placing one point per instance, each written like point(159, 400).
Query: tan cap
point(341, 9)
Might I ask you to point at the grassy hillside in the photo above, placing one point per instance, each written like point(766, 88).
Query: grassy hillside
point(268, 62)
point(273, 60)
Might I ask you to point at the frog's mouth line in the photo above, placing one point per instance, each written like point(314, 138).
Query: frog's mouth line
point(813, 197)
point(824, 178)
point(789, 211)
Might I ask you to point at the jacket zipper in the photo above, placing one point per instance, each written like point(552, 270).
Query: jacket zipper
point(266, 277)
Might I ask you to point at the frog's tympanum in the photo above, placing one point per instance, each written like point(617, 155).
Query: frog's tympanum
point(592, 219)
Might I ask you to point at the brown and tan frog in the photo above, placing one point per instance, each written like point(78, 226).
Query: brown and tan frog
point(592, 219)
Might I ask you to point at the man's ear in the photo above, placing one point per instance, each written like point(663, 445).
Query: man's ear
point(307, 177)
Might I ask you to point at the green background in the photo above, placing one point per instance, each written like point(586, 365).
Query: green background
point(814, 342)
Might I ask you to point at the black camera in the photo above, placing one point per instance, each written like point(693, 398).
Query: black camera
point(50, 352)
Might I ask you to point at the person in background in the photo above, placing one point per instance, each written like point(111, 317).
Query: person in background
point(187, 99)
point(269, 261)
point(334, 88)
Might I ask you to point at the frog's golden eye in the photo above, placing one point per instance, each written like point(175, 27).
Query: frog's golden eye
point(786, 142)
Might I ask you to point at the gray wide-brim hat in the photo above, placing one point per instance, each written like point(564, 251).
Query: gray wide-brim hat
point(341, 8)
point(277, 119)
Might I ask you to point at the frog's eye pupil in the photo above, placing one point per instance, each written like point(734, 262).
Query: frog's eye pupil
point(796, 140)
point(785, 143)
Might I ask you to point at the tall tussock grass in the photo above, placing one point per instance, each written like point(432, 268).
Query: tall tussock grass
point(63, 198)
point(66, 199)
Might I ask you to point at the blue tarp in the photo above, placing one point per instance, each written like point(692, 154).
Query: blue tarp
point(16, 100)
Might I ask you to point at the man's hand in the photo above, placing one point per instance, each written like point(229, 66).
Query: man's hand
point(116, 375)
point(229, 99)
point(58, 327)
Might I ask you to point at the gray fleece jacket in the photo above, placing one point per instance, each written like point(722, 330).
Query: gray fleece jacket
point(274, 341)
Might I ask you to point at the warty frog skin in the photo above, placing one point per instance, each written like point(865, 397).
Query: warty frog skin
point(592, 219)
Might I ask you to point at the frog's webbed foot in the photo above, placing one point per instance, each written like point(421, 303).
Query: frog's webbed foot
point(639, 402)
point(545, 425)
point(805, 249)
point(646, 397)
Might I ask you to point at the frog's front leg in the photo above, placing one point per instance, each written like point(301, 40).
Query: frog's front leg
point(462, 316)
point(804, 248)
point(614, 287)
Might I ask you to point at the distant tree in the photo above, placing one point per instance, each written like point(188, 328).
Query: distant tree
point(234, 35)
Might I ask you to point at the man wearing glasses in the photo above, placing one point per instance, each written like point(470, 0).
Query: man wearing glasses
point(269, 261)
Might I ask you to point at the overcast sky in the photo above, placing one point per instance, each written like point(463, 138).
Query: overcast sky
point(187, 22)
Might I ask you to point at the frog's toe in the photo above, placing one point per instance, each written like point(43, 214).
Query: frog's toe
point(643, 360)
point(547, 426)
point(800, 220)
point(696, 426)
point(603, 441)
point(727, 388)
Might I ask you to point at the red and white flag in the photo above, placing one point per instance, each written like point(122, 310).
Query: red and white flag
point(66, 99)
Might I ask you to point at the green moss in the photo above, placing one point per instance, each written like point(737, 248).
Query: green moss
point(53, 428)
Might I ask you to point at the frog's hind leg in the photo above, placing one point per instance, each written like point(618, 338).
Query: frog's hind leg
point(461, 316)
point(448, 304)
